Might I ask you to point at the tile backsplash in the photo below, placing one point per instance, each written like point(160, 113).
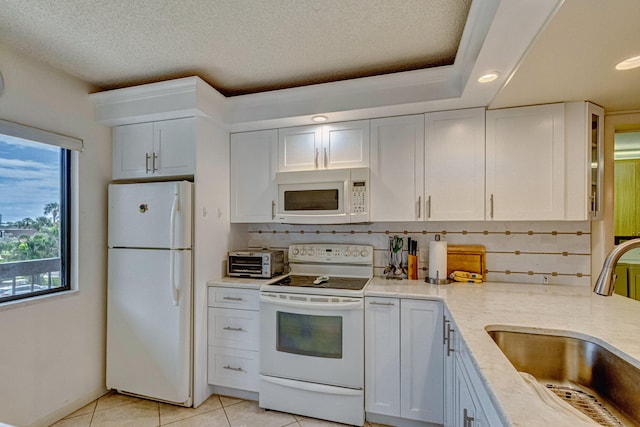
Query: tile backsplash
point(517, 252)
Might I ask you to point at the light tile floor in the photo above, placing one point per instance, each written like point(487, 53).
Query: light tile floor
point(115, 409)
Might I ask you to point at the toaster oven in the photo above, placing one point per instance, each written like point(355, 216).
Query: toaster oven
point(260, 263)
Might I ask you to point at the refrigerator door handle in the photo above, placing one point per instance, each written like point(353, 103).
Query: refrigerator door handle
point(172, 280)
point(172, 240)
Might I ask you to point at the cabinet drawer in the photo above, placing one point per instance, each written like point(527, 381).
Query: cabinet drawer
point(233, 368)
point(247, 299)
point(234, 328)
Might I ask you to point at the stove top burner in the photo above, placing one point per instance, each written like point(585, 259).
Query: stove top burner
point(350, 283)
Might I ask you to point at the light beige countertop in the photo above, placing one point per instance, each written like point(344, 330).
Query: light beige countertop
point(613, 322)
point(242, 282)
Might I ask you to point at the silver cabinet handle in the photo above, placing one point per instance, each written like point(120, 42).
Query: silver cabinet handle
point(445, 322)
point(449, 349)
point(146, 162)
point(233, 298)
point(594, 204)
point(153, 162)
point(419, 206)
point(233, 369)
point(468, 421)
point(381, 303)
point(316, 158)
point(429, 207)
point(229, 328)
point(492, 206)
point(326, 158)
point(273, 209)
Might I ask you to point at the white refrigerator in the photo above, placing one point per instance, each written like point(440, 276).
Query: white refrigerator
point(149, 339)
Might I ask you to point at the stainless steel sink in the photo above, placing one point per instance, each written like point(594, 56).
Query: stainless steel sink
point(581, 372)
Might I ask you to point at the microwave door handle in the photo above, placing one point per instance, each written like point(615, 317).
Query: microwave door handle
point(316, 158)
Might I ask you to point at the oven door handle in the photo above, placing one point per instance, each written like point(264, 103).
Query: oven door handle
point(351, 305)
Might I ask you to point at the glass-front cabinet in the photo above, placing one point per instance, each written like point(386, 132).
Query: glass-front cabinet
point(595, 116)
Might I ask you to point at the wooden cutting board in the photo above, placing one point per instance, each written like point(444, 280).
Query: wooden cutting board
point(469, 258)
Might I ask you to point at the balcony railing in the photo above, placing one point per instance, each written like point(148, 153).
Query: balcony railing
point(20, 277)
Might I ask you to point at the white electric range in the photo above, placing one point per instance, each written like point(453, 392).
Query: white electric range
point(312, 333)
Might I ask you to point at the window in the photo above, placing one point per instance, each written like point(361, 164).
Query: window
point(35, 211)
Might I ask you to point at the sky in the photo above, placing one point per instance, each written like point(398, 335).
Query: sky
point(29, 178)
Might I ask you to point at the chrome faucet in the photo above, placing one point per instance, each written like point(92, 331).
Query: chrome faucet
point(605, 283)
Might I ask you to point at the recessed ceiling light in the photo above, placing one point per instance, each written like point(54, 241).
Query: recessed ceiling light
point(489, 77)
point(629, 63)
point(319, 119)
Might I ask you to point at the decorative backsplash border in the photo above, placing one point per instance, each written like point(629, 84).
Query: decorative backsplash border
point(518, 252)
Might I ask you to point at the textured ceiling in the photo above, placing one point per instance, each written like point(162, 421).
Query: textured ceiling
point(237, 46)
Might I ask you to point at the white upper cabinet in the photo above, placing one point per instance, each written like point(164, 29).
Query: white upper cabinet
point(253, 168)
point(332, 146)
point(397, 168)
point(525, 163)
point(454, 158)
point(584, 161)
point(154, 150)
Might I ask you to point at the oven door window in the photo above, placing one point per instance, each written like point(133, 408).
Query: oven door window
point(309, 335)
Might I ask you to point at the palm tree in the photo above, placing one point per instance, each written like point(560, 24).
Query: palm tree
point(52, 208)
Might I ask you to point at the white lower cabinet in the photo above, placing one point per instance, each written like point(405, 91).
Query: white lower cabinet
point(466, 401)
point(233, 338)
point(403, 359)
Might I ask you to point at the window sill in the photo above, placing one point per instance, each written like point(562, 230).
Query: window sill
point(9, 305)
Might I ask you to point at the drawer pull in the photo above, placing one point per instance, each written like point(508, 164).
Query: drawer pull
point(233, 369)
point(381, 303)
point(233, 298)
point(229, 328)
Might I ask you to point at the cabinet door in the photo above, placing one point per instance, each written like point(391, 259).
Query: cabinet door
point(449, 339)
point(345, 145)
point(454, 165)
point(525, 177)
point(422, 361)
point(634, 282)
point(174, 147)
point(626, 201)
point(397, 169)
point(584, 160)
point(382, 356)
point(253, 168)
point(132, 151)
point(299, 148)
point(465, 413)
point(621, 285)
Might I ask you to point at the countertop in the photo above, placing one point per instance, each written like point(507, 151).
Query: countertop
point(567, 310)
point(242, 282)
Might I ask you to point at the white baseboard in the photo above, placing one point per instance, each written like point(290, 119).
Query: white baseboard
point(69, 409)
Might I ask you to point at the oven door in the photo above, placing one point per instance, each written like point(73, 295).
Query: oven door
point(312, 338)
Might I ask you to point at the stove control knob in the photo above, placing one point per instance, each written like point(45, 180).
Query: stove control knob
point(347, 253)
point(311, 252)
point(295, 251)
point(303, 251)
point(364, 253)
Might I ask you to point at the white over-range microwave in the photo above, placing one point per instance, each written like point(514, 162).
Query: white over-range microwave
point(328, 196)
